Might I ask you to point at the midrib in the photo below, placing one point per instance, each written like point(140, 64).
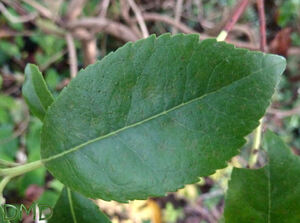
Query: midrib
point(269, 193)
point(121, 129)
point(147, 119)
point(71, 205)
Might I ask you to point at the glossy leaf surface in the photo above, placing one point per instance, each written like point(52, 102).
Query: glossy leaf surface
point(155, 115)
point(35, 91)
point(72, 207)
point(267, 195)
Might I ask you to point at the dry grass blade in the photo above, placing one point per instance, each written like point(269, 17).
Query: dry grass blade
point(72, 55)
point(139, 17)
point(105, 25)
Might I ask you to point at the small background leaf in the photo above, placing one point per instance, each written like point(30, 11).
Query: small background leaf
point(267, 195)
point(35, 91)
point(83, 209)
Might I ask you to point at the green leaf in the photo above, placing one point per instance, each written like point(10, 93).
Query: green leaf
point(72, 207)
point(7, 102)
point(33, 142)
point(155, 115)
point(9, 49)
point(52, 78)
point(2, 215)
point(8, 142)
point(270, 194)
point(35, 91)
point(49, 197)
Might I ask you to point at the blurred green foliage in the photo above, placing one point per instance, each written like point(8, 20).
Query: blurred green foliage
point(8, 142)
point(172, 214)
point(289, 12)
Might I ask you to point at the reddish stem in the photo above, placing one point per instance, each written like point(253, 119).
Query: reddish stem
point(238, 11)
point(262, 25)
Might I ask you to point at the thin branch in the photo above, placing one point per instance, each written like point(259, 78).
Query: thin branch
point(245, 30)
point(126, 34)
point(89, 44)
point(210, 195)
point(262, 25)
point(16, 6)
point(125, 14)
point(10, 33)
point(75, 9)
point(237, 12)
point(72, 55)
point(284, 113)
point(125, 11)
point(8, 163)
point(14, 19)
point(139, 17)
point(168, 20)
point(103, 46)
point(294, 51)
point(3, 183)
point(82, 34)
point(178, 12)
point(185, 29)
point(104, 25)
point(19, 170)
point(40, 8)
point(103, 8)
point(89, 51)
point(202, 211)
